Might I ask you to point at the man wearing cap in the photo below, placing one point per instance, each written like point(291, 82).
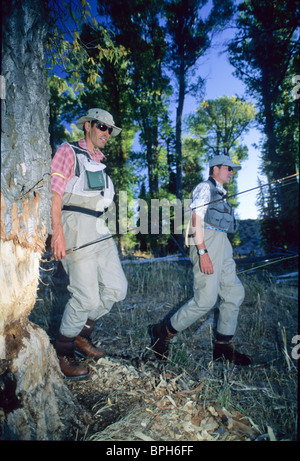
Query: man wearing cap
point(213, 268)
point(82, 191)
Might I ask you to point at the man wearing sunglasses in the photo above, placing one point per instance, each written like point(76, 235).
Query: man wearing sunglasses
point(81, 193)
point(213, 268)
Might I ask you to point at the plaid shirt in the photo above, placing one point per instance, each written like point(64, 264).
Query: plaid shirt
point(62, 165)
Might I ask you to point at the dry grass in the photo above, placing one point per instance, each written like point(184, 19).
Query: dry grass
point(264, 394)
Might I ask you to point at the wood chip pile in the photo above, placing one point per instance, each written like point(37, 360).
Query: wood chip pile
point(150, 404)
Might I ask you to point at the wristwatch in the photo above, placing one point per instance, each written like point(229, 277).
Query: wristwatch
point(202, 251)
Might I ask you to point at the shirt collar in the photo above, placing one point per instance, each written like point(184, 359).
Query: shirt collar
point(97, 154)
point(220, 186)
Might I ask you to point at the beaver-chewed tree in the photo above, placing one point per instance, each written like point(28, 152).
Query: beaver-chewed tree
point(35, 403)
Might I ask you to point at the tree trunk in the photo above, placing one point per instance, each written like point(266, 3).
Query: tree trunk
point(179, 166)
point(35, 403)
point(179, 112)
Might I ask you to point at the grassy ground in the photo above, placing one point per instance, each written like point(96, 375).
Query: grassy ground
point(265, 392)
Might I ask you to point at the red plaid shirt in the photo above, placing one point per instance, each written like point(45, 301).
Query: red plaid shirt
point(62, 165)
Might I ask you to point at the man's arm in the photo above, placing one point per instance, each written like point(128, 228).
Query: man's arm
point(58, 243)
point(204, 260)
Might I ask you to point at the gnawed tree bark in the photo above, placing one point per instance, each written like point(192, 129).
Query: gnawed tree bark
point(35, 403)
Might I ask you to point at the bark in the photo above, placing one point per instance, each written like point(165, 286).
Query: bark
point(35, 403)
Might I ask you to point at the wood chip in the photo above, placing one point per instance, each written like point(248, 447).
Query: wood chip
point(142, 436)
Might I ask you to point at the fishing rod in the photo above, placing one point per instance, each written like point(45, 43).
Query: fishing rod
point(107, 237)
point(93, 242)
point(273, 261)
point(249, 190)
point(71, 250)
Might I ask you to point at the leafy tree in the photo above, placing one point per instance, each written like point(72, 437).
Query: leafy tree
point(221, 123)
point(189, 36)
point(65, 51)
point(218, 125)
point(137, 28)
point(61, 98)
point(264, 53)
point(193, 158)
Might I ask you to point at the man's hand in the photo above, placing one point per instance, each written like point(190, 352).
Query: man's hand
point(205, 263)
point(204, 260)
point(58, 244)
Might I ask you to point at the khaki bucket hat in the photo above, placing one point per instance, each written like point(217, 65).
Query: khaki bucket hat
point(100, 115)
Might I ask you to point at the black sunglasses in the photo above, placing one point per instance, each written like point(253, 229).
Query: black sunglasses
point(103, 127)
point(229, 167)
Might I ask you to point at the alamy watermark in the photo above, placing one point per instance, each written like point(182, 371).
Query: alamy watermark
point(296, 349)
point(296, 88)
point(2, 87)
point(159, 216)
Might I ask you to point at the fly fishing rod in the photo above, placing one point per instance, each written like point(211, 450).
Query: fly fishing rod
point(93, 242)
point(267, 263)
point(101, 239)
point(249, 190)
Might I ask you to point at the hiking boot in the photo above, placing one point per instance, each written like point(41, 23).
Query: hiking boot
point(71, 369)
point(226, 351)
point(65, 347)
point(160, 339)
point(85, 345)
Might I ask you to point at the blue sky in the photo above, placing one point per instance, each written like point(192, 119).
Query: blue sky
point(218, 72)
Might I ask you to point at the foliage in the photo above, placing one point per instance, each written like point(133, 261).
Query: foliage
point(61, 97)
point(127, 62)
point(265, 44)
point(189, 37)
point(193, 160)
point(137, 28)
point(264, 53)
point(220, 124)
point(64, 47)
point(217, 127)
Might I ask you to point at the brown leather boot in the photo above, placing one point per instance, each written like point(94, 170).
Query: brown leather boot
point(71, 368)
point(64, 347)
point(84, 343)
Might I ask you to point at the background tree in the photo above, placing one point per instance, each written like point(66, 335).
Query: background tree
point(219, 125)
point(61, 98)
point(137, 28)
point(264, 53)
point(189, 37)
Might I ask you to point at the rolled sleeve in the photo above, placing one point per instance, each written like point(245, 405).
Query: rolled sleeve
point(200, 199)
point(62, 168)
